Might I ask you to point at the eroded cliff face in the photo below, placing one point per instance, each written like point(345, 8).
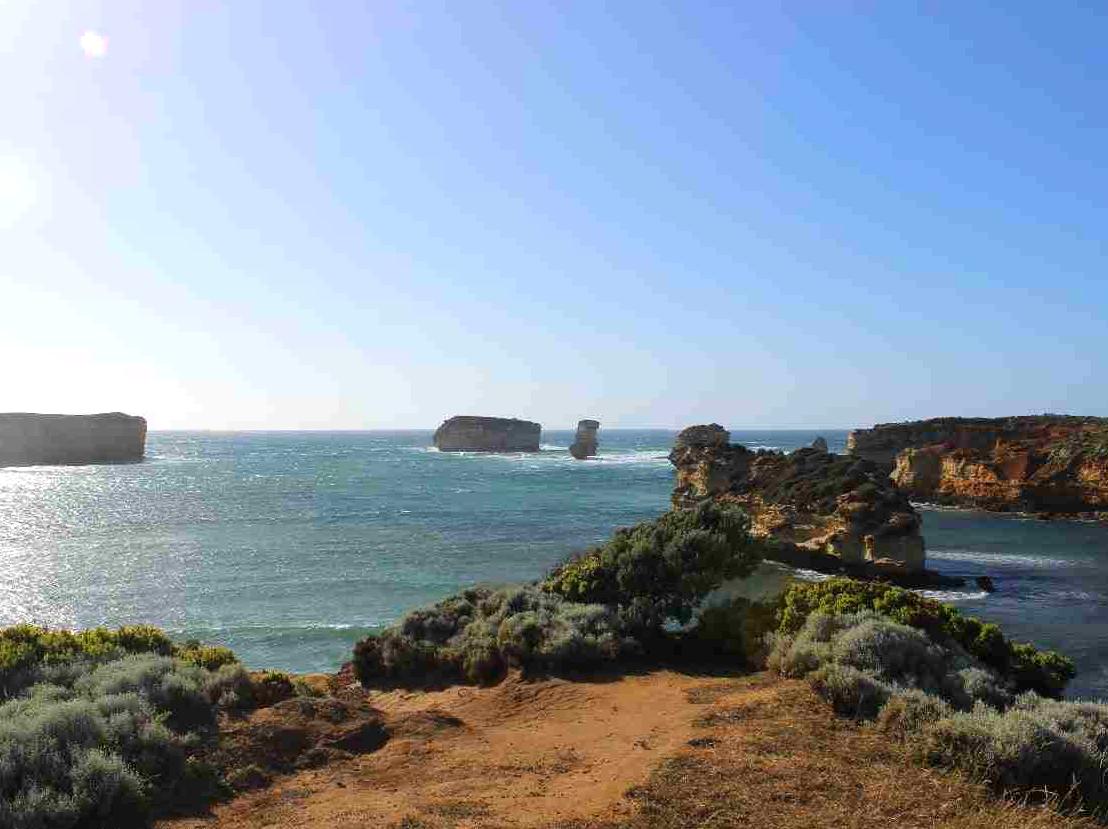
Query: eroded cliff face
point(1050, 464)
point(42, 439)
point(833, 504)
point(469, 433)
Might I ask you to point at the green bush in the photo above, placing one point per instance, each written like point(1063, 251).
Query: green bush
point(909, 711)
point(270, 687)
point(736, 629)
point(661, 570)
point(1036, 746)
point(209, 657)
point(893, 655)
point(98, 727)
point(957, 713)
point(1027, 668)
point(479, 633)
point(852, 693)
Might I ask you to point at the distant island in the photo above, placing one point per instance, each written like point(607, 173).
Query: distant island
point(1047, 464)
point(44, 439)
point(472, 433)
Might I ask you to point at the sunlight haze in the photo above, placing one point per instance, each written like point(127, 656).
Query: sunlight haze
point(251, 215)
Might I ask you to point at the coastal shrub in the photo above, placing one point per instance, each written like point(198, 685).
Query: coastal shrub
point(952, 709)
point(908, 711)
point(661, 570)
point(1024, 666)
point(270, 687)
point(736, 629)
point(851, 692)
point(100, 727)
point(835, 650)
point(1035, 746)
point(209, 657)
point(478, 634)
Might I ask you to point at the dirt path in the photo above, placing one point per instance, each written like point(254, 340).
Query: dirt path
point(656, 751)
point(517, 755)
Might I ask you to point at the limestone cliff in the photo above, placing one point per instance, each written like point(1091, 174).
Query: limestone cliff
point(468, 433)
point(585, 443)
point(815, 500)
point(1048, 463)
point(34, 439)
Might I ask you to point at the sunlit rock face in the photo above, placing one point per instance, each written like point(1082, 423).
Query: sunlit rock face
point(585, 442)
point(470, 433)
point(812, 499)
point(1048, 463)
point(43, 439)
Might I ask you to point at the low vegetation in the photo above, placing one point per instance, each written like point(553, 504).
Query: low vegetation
point(613, 601)
point(1023, 665)
point(954, 710)
point(104, 728)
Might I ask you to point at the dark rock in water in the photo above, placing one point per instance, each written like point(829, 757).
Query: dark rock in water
point(985, 583)
point(469, 433)
point(42, 439)
point(584, 444)
point(819, 444)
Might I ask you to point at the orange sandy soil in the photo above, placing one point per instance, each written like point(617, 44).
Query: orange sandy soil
point(661, 749)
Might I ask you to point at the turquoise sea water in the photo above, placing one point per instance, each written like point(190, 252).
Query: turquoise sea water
point(289, 546)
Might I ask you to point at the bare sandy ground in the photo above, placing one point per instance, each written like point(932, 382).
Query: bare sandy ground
point(654, 751)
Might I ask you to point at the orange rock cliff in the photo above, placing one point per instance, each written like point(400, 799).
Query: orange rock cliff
point(1046, 464)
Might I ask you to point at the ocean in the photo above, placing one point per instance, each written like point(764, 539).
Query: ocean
point(289, 546)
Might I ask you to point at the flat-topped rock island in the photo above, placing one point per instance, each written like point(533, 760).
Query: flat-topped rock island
point(472, 433)
point(45, 439)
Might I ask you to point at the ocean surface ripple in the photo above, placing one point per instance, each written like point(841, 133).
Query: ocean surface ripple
point(290, 546)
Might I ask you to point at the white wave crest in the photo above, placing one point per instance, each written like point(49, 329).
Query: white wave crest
point(953, 595)
point(1013, 559)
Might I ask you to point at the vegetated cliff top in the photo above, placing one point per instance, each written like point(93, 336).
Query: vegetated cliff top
point(1010, 422)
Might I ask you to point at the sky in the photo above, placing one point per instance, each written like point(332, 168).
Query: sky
point(255, 215)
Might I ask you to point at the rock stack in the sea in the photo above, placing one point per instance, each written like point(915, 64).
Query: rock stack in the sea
point(470, 433)
point(584, 442)
point(820, 444)
point(41, 439)
point(810, 501)
point(1049, 464)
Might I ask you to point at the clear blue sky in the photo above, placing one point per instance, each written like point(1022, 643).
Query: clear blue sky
point(356, 215)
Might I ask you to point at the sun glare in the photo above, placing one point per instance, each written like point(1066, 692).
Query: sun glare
point(94, 44)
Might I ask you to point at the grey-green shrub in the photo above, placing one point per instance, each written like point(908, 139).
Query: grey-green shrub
point(907, 711)
point(94, 732)
point(478, 634)
point(851, 692)
point(953, 710)
point(1024, 748)
point(896, 656)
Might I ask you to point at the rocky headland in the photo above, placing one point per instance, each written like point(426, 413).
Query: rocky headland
point(469, 433)
point(826, 512)
point(1051, 464)
point(42, 439)
point(585, 443)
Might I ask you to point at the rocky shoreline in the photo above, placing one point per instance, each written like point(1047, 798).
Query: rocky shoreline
point(829, 513)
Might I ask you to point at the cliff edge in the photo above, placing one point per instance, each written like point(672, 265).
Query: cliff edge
point(832, 505)
point(1048, 463)
point(42, 439)
point(469, 433)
